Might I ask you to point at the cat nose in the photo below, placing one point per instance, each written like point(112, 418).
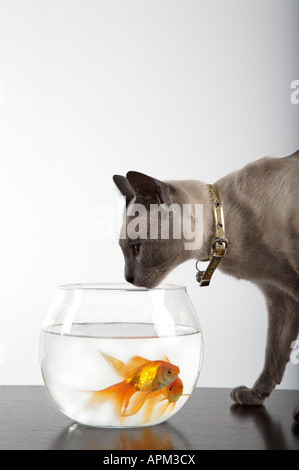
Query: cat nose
point(129, 278)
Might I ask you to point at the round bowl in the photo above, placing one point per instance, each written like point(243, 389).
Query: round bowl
point(115, 355)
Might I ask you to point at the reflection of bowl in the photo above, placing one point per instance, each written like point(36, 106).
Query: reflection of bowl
point(115, 355)
point(80, 437)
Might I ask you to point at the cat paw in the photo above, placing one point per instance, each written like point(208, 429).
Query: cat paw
point(248, 396)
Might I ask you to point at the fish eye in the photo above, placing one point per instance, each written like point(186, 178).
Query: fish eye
point(170, 388)
point(168, 372)
point(136, 248)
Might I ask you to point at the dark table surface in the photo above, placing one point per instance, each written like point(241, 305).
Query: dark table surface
point(209, 420)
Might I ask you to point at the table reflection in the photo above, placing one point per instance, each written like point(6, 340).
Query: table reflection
point(269, 428)
point(161, 437)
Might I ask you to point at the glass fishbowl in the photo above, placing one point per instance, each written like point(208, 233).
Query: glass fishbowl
point(115, 355)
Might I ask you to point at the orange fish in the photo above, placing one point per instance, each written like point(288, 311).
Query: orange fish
point(170, 395)
point(140, 375)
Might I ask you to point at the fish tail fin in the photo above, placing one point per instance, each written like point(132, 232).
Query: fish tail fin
point(120, 393)
point(122, 397)
point(99, 396)
point(127, 397)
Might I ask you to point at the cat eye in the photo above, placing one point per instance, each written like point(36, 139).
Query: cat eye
point(136, 248)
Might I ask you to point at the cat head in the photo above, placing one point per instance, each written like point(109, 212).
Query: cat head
point(151, 237)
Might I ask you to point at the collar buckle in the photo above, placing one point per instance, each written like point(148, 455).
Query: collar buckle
point(219, 244)
point(219, 247)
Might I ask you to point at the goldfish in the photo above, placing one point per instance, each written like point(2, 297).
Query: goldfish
point(169, 395)
point(141, 375)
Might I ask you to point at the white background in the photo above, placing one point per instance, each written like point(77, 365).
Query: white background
point(175, 89)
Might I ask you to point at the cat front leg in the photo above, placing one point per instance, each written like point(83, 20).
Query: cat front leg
point(283, 329)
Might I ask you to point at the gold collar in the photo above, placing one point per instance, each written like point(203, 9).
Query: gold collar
point(219, 243)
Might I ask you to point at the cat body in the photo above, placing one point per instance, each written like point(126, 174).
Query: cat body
point(261, 213)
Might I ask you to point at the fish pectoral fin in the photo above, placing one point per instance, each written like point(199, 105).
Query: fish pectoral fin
point(161, 408)
point(116, 364)
point(133, 364)
point(150, 404)
point(136, 403)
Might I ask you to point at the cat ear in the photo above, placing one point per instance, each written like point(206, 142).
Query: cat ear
point(124, 187)
point(146, 188)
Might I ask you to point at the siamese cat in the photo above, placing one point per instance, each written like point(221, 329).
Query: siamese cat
point(261, 212)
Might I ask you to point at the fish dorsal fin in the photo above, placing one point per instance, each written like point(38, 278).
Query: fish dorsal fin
point(116, 364)
point(165, 358)
point(133, 364)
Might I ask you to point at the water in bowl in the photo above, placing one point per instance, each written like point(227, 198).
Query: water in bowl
point(74, 365)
